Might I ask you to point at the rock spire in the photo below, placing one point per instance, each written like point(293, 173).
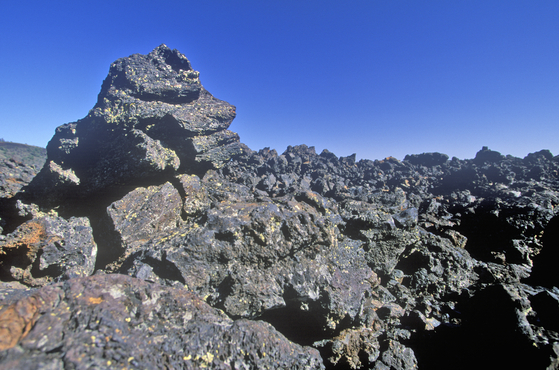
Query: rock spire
point(153, 117)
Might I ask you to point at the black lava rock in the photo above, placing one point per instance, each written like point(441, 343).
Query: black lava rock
point(153, 238)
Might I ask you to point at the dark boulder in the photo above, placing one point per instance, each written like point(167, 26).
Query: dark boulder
point(19, 163)
point(153, 117)
point(48, 248)
point(541, 156)
point(115, 321)
point(486, 155)
point(427, 159)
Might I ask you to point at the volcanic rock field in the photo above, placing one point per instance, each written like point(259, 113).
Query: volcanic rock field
point(153, 238)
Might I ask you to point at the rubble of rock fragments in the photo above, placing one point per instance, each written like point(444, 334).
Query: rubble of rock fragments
point(153, 238)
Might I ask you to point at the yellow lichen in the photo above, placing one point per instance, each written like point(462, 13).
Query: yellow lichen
point(97, 300)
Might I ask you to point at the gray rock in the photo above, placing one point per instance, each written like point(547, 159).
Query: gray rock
point(381, 264)
point(47, 249)
point(125, 322)
point(152, 117)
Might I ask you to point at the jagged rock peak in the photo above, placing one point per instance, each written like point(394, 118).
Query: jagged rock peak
point(153, 118)
point(162, 75)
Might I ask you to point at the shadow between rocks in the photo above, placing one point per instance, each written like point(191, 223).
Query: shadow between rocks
point(300, 322)
point(487, 338)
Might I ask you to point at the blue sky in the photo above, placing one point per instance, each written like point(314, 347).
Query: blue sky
point(377, 78)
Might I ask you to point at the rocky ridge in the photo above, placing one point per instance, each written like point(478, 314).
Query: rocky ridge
point(153, 238)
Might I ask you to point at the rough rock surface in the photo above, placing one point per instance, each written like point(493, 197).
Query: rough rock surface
point(205, 245)
point(115, 321)
point(19, 163)
point(48, 248)
point(152, 118)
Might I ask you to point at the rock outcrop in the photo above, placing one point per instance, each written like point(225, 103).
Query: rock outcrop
point(152, 238)
point(153, 118)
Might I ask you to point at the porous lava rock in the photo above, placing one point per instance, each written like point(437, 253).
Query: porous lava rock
point(48, 248)
point(312, 259)
point(153, 117)
point(19, 163)
point(115, 321)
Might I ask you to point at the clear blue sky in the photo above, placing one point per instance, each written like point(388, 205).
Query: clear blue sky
point(377, 78)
